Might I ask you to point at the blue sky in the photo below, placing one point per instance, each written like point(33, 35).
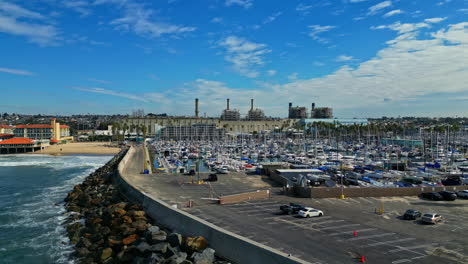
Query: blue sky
point(364, 58)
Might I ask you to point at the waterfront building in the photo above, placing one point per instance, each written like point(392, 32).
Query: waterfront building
point(337, 121)
point(54, 132)
point(6, 136)
point(193, 132)
point(6, 129)
point(21, 145)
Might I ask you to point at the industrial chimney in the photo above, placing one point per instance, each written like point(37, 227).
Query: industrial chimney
point(196, 107)
point(227, 101)
point(251, 104)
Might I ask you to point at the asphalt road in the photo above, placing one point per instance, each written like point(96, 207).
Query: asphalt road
point(327, 239)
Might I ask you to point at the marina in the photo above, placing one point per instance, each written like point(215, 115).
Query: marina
point(325, 160)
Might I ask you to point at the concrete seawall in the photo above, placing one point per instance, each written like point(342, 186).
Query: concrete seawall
point(227, 244)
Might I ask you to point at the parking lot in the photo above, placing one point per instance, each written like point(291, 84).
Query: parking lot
point(380, 238)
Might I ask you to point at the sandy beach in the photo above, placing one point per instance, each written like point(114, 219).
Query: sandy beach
point(81, 148)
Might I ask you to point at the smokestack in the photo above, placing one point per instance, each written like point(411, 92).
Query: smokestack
point(196, 107)
point(227, 101)
point(313, 106)
point(251, 104)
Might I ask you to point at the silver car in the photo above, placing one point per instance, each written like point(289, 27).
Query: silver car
point(463, 194)
point(431, 218)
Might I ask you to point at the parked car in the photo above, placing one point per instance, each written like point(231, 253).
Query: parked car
point(411, 214)
point(309, 212)
point(292, 208)
point(431, 218)
point(463, 194)
point(432, 196)
point(211, 178)
point(449, 196)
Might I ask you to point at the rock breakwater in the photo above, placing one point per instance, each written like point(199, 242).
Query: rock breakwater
point(105, 227)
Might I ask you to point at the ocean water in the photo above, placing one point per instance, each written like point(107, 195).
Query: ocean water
point(32, 189)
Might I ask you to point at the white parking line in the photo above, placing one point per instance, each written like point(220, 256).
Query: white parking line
point(401, 261)
point(371, 236)
point(410, 248)
point(338, 227)
point(351, 231)
point(391, 242)
point(326, 222)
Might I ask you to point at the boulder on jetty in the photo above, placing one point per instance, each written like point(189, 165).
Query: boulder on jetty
point(105, 227)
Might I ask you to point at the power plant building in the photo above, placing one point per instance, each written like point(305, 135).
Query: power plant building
point(297, 112)
point(230, 114)
point(255, 114)
point(322, 112)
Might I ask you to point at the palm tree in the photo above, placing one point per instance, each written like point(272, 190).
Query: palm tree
point(143, 130)
point(125, 128)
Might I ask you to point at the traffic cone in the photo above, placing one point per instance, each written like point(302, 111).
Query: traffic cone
point(355, 233)
point(363, 259)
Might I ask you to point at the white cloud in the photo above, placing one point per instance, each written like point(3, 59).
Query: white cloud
point(271, 72)
point(304, 9)
point(140, 19)
point(435, 20)
point(443, 2)
point(407, 69)
point(217, 20)
point(378, 7)
point(111, 92)
point(408, 30)
point(316, 30)
point(80, 6)
point(393, 12)
point(44, 35)
point(16, 72)
point(145, 97)
point(272, 18)
point(17, 20)
point(16, 11)
point(293, 76)
point(343, 58)
point(99, 81)
point(243, 3)
point(318, 63)
point(244, 55)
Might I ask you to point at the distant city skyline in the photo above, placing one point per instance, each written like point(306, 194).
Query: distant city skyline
point(363, 58)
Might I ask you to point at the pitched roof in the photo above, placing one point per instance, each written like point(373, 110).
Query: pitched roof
point(34, 126)
point(64, 126)
point(5, 126)
point(17, 141)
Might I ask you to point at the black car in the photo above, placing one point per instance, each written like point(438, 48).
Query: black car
point(292, 208)
point(448, 196)
point(435, 196)
point(411, 214)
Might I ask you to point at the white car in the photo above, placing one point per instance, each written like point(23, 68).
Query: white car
point(463, 194)
point(309, 212)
